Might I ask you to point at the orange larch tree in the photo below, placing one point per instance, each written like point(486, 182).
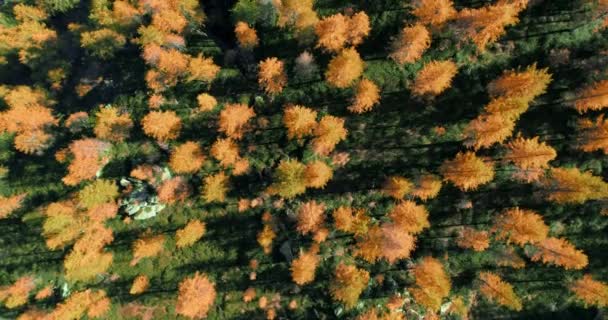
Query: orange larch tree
point(272, 77)
point(351, 220)
point(215, 187)
point(434, 78)
point(410, 217)
point(396, 187)
point(367, 96)
point(18, 293)
point(94, 304)
point(299, 13)
point(186, 158)
point(289, 179)
point(162, 125)
point(173, 190)
point(89, 156)
point(527, 84)
point(370, 245)
point(520, 226)
point(195, 296)
point(569, 185)
point(591, 292)
point(147, 246)
point(225, 151)
point(317, 174)
point(328, 133)
point(396, 244)
point(206, 102)
point(345, 68)
point(336, 31)
point(202, 69)
point(233, 119)
point(592, 97)
point(358, 28)
point(560, 252)
point(432, 283)
point(303, 268)
point(467, 171)
point(348, 284)
point(246, 35)
point(140, 285)
point(88, 258)
point(469, 238)
point(426, 187)
point(112, 125)
point(9, 204)
point(311, 216)
point(410, 44)
point(190, 233)
point(300, 121)
point(434, 12)
point(593, 135)
point(495, 289)
point(488, 129)
point(529, 153)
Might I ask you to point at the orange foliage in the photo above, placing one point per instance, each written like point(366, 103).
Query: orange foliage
point(317, 174)
point(486, 24)
point(300, 121)
point(466, 171)
point(147, 246)
point(88, 258)
point(434, 12)
point(592, 97)
point(396, 244)
point(173, 190)
point(111, 125)
point(265, 238)
point(190, 234)
point(520, 226)
point(233, 119)
point(328, 133)
point(168, 20)
point(346, 220)
point(591, 292)
point(370, 244)
point(18, 293)
point(593, 135)
point(569, 185)
point(358, 28)
point(410, 217)
point(272, 77)
point(187, 158)
point(89, 158)
point(478, 240)
point(44, 293)
point(303, 268)
point(162, 125)
point(488, 129)
point(434, 78)
point(290, 179)
point(396, 187)
point(348, 284)
point(202, 69)
point(529, 153)
point(215, 187)
point(94, 304)
point(246, 35)
point(311, 216)
point(335, 31)
point(411, 43)
point(195, 297)
point(368, 95)
point(525, 85)
point(206, 102)
point(9, 204)
point(508, 107)
point(296, 12)
point(427, 187)
point(561, 253)
point(225, 151)
point(140, 285)
point(432, 283)
point(495, 289)
point(344, 68)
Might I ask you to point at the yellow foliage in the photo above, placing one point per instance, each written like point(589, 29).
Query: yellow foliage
point(370, 244)
point(560, 252)
point(591, 292)
point(206, 102)
point(147, 246)
point(9, 204)
point(488, 129)
point(466, 171)
point(569, 185)
point(478, 240)
point(432, 283)
point(111, 125)
point(289, 179)
point(173, 190)
point(99, 192)
point(272, 77)
point(434, 12)
point(162, 125)
point(427, 187)
point(495, 289)
point(529, 153)
point(396, 244)
point(348, 284)
point(396, 187)
point(434, 78)
point(345, 68)
point(311, 216)
point(303, 268)
point(18, 293)
point(317, 174)
point(187, 158)
point(328, 133)
point(202, 69)
point(300, 121)
point(265, 238)
point(246, 35)
point(233, 119)
point(592, 97)
point(92, 303)
point(225, 151)
point(525, 85)
point(190, 234)
point(140, 285)
point(410, 217)
point(215, 187)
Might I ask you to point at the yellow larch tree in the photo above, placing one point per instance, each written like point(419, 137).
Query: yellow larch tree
point(520, 226)
point(162, 125)
point(246, 35)
point(147, 246)
point(493, 288)
point(300, 121)
point(469, 238)
point(432, 283)
point(289, 179)
point(410, 44)
point(348, 284)
point(189, 234)
point(593, 135)
point(94, 304)
point(345, 68)
point(358, 28)
point(195, 296)
point(187, 158)
point(510, 107)
point(88, 258)
point(215, 187)
point(10, 204)
point(233, 119)
point(265, 238)
point(271, 76)
point(140, 284)
point(396, 187)
point(426, 187)
point(328, 133)
point(434, 12)
point(304, 266)
point(367, 96)
point(112, 125)
point(311, 216)
point(299, 13)
point(434, 78)
point(332, 32)
point(206, 102)
point(569, 185)
point(225, 151)
point(18, 293)
point(351, 220)
point(317, 174)
point(410, 217)
point(529, 153)
point(592, 97)
point(488, 129)
point(63, 224)
point(591, 292)
point(559, 252)
point(467, 171)
point(202, 69)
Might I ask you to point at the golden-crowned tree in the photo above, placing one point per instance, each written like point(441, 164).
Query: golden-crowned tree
point(187, 158)
point(233, 119)
point(467, 171)
point(328, 133)
point(345, 68)
point(189, 234)
point(246, 35)
point(215, 187)
point(289, 179)
point(89, 156)
point(18, 293)
point(303, 268)
point(434, 12)
point(396, 244)
point(488, 129)
point(336, 31)
point(195, 296)
point(272, 77)
point(317, 174)
point(396, 187)
point(202, 69)
point(225, 151)
point(426, 187)
point(432, 283)
point(493, 288)
point(10, 204)
point(351, 220)
point(367, 96)
point(592, 97)
point(529, 153)
point(520, 226)
point(410, 44)
point(410, 217)
point(593, 135)
point(591, 292)
point(206, 102)
point(569, 185)
point(300, 121)
point(311, 216)
point(469, 238)
point(526, 85)
point(140, 285)
point(162, 125)
point(94, 304)
point(434, 78)
point(112, 125)
point(559, 252)
point(348, 283)
point(173, 190)
point(147, 246)
point(370, 244)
